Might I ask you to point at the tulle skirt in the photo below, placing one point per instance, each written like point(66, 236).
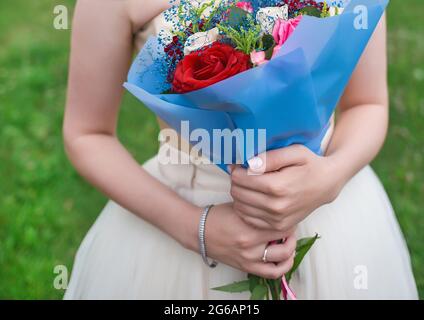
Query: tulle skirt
point(361, 254)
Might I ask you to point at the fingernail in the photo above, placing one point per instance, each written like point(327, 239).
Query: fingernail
point(255, 163)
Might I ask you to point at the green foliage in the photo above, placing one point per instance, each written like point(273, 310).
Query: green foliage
point(268, 45)
point(240, 286)
point(246, 36)
point(310, 11)
point(237, 17)
point(46, 208)
point(198, 12)
point(260, 292)
point(302, 248)
point(275, 288)
point(260, 288)
point(199, 18)
point(325, 11)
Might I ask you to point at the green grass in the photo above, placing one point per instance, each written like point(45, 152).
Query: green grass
point(401, 163)
point(46, 208)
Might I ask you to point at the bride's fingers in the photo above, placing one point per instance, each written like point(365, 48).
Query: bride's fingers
point(256, 222)
point(265, 236)
point(281, 252)
point(252, 198)
point(278, 252)
point(247, 210)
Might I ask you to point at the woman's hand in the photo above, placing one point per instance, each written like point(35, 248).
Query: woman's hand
point(296, 182)
point(233, 242)
point(282, 187)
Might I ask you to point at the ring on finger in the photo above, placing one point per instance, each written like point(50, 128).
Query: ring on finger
point(264, 259)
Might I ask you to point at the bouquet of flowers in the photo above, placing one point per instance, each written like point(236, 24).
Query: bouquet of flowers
point(238, 66)
point(235, 67)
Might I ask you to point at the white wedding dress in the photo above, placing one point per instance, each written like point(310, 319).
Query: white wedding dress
point(361, 254)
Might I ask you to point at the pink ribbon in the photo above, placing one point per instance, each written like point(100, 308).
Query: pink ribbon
point(287, 292)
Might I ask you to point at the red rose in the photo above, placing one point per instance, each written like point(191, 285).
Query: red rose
point(203, 68)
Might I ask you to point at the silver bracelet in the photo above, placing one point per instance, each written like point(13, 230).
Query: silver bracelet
point(202, 242)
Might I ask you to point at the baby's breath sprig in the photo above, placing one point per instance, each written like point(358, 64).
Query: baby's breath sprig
point(217, 13)
point(198, 14)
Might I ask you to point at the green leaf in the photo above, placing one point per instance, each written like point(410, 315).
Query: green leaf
point(234, 287)
point(211, 17)
point(259, 292)
point(306, 243)
point(302, 248)
point(325, 11)
point(275, 288)
point(267, 41)
point(236, 17)
point(268, 44)
point(310, 11)
point(269, 53)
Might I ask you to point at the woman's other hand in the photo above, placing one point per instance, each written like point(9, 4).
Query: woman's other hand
point(282, 187)
point(232, 241)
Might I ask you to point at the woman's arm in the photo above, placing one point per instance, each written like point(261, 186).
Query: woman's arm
point(364, 111)
point(100, 58)
point(297, 181)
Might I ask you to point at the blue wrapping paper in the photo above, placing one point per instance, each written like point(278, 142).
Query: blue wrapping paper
point(292, 96)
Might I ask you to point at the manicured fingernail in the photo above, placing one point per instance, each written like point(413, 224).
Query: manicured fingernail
point(255, 163)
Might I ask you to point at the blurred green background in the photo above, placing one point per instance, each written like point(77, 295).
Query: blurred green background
point(46, 208)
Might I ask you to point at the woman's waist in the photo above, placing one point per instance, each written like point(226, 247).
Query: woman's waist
point(181, 166)
point(184, 146)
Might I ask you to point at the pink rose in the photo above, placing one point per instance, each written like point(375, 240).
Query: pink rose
point(283, 30)
point(245, 5)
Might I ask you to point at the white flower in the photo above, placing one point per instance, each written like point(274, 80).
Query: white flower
point(266, 17)
point(334, 11)
point(200, 40)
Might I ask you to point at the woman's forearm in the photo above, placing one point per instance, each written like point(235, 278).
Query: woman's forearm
point(102, 47)
point(359, 135)
point(363, 119)
point(105, 163)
